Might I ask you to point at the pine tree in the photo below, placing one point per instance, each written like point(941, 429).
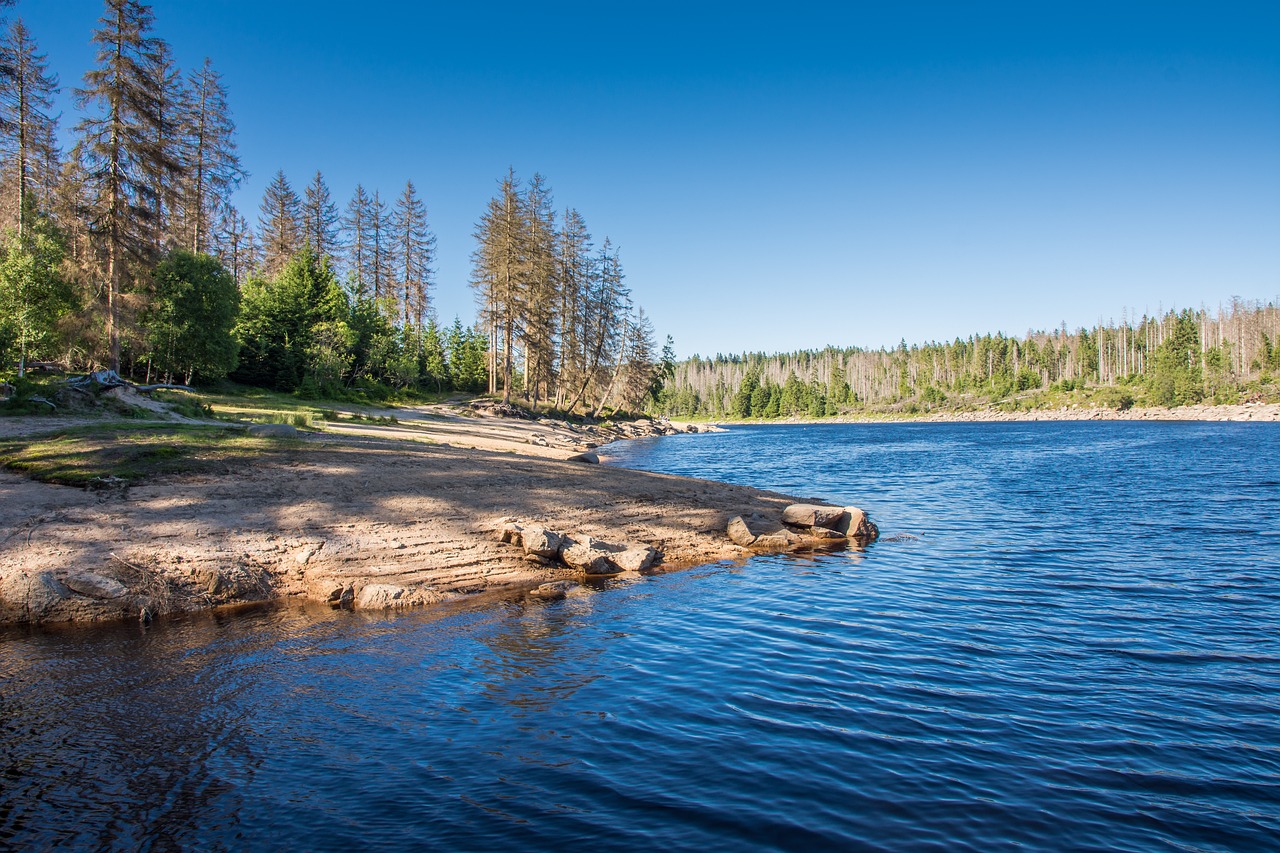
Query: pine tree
point(320, 218)
point(279, 225)
point(381, 255)
point(165, 171)
point(498, 269)
point(574, 270)
point(356, 223)
point(540, 290)
point(214, 170)
point(29, 129)
point(120, 149)
point(416, 252)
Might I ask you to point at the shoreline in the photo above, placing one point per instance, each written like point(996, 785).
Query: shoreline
point(371, 516)
point(1242, 412)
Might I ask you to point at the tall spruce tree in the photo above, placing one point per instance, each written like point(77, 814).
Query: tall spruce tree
point(26, 121)
point(166, 168)
point(416, 251)
point(320, 218)
point(356, 224)
point(498, 269)
point(119, 136)
point(214, 170)
point(279, 225)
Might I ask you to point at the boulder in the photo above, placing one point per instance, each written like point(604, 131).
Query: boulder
point(589, 556)
point(783, 540)
point(32, 596)
point(511, 533)
point(541, 542)
point(589, 457)
point(740, 533)
point(636, 558)
point(813, 515)
point(857, 525)
point(331, 591)
point(95, 585)
point(380, 596)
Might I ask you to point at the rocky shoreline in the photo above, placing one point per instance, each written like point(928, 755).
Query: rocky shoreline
point(1256, 411)
point(382, 519)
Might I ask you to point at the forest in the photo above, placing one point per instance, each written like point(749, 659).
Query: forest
point(1178, 358)
point(125, 251)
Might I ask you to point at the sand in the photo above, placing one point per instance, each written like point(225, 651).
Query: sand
point(414, 507)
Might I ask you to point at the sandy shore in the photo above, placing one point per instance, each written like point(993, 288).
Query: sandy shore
point(412, 510)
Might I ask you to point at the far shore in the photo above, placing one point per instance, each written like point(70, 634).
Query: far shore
point(1265, 412)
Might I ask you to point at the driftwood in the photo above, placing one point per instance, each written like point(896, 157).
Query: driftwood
point(110, 379)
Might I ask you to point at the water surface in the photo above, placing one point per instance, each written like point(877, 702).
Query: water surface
point(1065, 640)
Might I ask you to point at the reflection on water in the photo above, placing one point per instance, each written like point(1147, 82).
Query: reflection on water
point(1065, 639)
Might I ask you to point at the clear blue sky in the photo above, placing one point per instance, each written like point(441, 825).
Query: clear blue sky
point(790, 175)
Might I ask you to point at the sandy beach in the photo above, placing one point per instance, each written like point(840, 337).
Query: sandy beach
point(412, 510)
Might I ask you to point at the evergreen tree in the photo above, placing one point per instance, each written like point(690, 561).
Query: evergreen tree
point(280, 232)
point(356, 223)
point(415, 254)
point(498, 269)
point(26, 122)
point(165, 170)
point(214, 170)
point(120, 150)
point(320, 218)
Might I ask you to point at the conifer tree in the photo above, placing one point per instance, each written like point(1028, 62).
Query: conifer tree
point(540, 289)
point(214, 170)
point(28, 127)
point(320, 218)
point(416, 251)
point(356, 223)
point(498, 270)
point(120, 149)
point(279, 225)
point(165, 169)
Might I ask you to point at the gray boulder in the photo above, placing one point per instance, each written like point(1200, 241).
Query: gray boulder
point(541, 542)
point(813, 515)
point(589, 556)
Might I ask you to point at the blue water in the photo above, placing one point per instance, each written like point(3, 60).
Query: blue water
point(1066, 639)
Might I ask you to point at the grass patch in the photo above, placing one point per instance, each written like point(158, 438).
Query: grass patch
point(101, 456)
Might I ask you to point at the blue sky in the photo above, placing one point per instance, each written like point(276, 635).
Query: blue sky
point(786, 176)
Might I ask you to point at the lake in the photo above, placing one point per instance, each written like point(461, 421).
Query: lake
point(1065, 639)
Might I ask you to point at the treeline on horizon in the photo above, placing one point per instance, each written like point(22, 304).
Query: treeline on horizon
point(126, 252)
point(1177, 358)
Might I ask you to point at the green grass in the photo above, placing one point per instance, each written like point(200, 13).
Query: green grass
point(103, 455)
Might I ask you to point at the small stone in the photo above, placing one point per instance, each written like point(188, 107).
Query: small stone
point(553, 591)
point(380, 596)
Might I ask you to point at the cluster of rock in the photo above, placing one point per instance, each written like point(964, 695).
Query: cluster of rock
point(583, 554)
point(805, 527)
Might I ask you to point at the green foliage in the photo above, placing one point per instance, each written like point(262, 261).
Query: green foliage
point(190, 319)
point(33, 295)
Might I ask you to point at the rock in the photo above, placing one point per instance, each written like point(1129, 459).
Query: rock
point(542, 542)
point(740, 533)
point(824, 533)
point(32, 596)
point(273, 431)
point(231, 583)
point(95, 585)
point(590, 556)
point(812, 515)
point(331, 591)
point(553, 591)
point(380, 596)
point(783, 540)
point(511, 533)
point(857, 525)
point(636, 558)
point(589, 457)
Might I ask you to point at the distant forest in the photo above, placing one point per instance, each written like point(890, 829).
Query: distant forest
point(1183, 357)
point(126, 252)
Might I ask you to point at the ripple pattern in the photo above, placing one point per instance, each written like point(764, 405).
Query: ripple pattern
point(1065, 640)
